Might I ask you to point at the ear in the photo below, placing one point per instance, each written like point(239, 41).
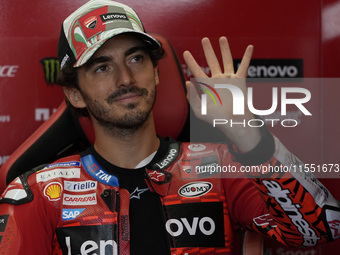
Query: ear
point(156, 75)
point(74, 97)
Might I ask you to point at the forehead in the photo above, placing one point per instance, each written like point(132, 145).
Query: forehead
point(118, 45)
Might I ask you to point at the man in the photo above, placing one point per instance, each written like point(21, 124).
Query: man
point(125, 194)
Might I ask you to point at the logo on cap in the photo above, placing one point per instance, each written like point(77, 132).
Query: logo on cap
point(91, 22)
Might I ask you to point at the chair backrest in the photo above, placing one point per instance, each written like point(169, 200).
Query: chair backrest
point(64, 133)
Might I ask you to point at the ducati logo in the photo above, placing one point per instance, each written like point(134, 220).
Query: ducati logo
point(91, 22)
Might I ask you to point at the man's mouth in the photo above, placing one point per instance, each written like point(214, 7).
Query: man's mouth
point(126, 95)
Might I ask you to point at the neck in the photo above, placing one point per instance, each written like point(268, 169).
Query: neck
point(127, 150)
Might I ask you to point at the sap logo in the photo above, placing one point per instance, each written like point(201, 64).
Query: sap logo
point(90, 246)
point(71, 214)
point(206, 225)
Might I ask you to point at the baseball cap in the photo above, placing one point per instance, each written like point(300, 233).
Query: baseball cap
point(86, 29)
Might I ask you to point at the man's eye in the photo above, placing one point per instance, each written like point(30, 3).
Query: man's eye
point(137, 58)
point(101, 69)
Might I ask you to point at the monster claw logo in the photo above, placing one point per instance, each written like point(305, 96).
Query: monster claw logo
point(204, 97)
point(51, 69)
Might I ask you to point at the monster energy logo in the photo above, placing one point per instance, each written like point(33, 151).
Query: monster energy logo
point(51, 69)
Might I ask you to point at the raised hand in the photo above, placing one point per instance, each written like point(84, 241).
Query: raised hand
point(245, 138)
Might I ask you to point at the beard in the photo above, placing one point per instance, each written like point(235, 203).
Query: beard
point(133, 118)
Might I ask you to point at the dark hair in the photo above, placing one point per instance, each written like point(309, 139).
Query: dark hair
point(68, 76)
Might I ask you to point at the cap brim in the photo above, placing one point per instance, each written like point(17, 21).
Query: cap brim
point(150, 42)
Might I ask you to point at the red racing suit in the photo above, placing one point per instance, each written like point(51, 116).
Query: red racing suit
point(74, 206)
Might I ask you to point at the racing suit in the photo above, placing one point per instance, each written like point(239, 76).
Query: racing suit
point(76, 206)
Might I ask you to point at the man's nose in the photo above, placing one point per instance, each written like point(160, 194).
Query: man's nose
point(126, 77)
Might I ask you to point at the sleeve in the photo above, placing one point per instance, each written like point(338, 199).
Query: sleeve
point(26, 223)
point(290, 206)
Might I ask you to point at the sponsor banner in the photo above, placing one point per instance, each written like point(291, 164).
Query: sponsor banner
point(100, 239)
point(274, 68)
point(51, 69)
point(195, 225)
point(80, 186)
point(5, 118)
point(58, 173)
point(264, 68)
point(88, 199)
point(8, 71)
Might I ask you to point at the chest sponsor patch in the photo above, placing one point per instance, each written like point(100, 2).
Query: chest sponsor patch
point(195, 225)
point(53, 191)
point(88, 199)
point(80, 186)
point(195, 189)
point(58, 173)
point(71, 214)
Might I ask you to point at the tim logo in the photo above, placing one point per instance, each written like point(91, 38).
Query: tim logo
point(51, 69)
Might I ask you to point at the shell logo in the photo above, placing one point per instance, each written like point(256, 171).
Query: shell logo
point(53, 191)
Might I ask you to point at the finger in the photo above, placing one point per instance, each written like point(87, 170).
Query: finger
point(192, 94)
point(227, 58)
point(194, 68)
point(211, 58)
point(242, 71)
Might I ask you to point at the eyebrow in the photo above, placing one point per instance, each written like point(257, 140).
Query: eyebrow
point(94, 61)
point(135, 49)
point(103, 59)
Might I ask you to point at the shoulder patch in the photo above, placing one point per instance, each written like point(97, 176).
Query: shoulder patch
point(18, 191)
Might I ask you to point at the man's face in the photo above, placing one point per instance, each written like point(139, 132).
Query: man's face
point(118, 83)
